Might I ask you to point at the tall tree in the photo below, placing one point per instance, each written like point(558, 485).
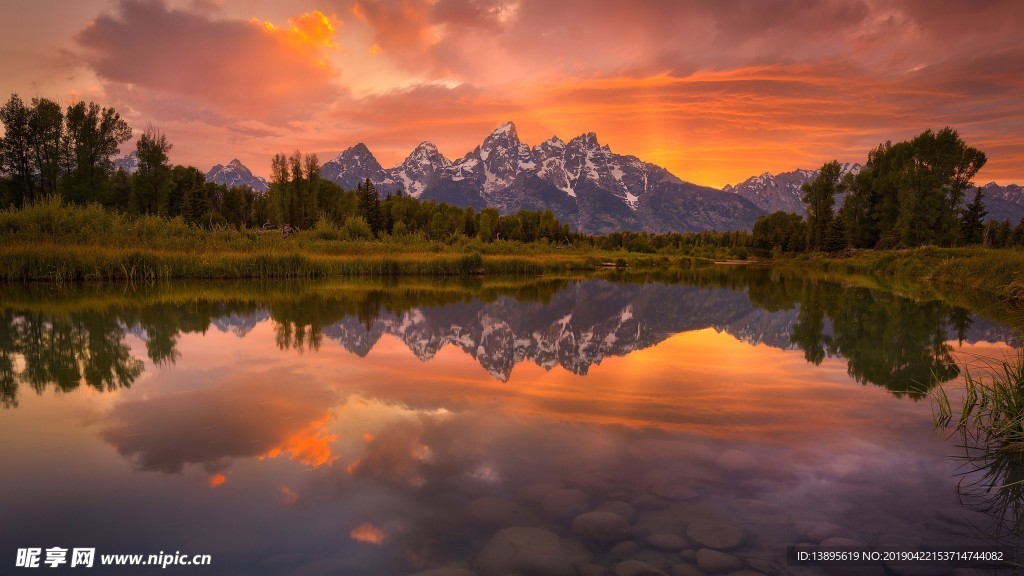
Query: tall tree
point(152, 182)
point(369, 206)
point(93, 137)
point(16, 154)
point(819, 196)
point(972, 220)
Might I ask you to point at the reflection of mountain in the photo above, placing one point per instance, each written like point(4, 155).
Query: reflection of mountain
point(240, 324)
point(888, 340)
point(589, 321)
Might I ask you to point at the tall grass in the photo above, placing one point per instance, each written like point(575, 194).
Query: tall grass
point(50, 241)
point(989, 420)
point(1000, 272)
point(991, 414)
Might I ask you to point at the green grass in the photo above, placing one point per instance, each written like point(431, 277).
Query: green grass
point(998, 272)
point(991, 414)
point(49, 241)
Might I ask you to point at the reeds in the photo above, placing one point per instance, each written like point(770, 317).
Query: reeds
point(991, 414)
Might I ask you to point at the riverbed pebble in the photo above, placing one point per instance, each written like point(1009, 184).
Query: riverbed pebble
point(543, 561)
point(715, 535)
point(671, 542)
point(564, 503)
point(620, 508)
point(686, 570)
point(499, 512)
point(637, 568)
point(601, 526)
point(499, 555)
point(717, 562)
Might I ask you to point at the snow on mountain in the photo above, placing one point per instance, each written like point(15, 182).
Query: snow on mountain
point(584, 183)
point(236, 174)
point(129, 162)
point(774, 192)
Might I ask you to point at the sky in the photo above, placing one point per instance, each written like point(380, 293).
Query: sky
point(713, 90)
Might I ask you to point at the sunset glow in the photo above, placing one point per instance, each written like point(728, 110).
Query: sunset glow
point(713, 91)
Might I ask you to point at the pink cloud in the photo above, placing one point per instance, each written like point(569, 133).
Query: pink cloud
point(178, 64)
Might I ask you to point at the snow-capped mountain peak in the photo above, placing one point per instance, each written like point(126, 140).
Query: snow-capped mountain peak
point(583, 182)
point(236, 174)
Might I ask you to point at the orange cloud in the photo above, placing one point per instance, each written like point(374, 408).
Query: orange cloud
point(368, 533)
point(310, 445)
point(226, 69)
point(217, 480)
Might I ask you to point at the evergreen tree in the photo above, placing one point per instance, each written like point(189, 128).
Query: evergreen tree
point(972, 220)
point(369, 207)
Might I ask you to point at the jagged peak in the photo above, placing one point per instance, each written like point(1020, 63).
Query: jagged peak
point(555, 141)
point(506, 131)
point(588, 140)
point(358, 150)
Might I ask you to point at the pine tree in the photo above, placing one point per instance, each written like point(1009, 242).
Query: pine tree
point(972, 220)
point(369, 206)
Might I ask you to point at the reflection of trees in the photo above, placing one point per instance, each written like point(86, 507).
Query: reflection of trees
point(63, 352)
point(888, 340)
point(40, 350)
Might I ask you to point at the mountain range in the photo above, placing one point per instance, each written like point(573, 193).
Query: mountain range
point(585, 184)
point(773, 192)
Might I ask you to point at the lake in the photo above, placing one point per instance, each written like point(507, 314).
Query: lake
point(699, 422)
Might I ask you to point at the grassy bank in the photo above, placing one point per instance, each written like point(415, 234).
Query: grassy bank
point(51, 242)
point(997, 272)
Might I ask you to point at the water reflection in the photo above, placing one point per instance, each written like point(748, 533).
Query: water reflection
point(370, 428)
point(890, 341)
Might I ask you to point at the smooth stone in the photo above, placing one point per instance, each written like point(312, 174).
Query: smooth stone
point(735, 461)
point(840, 541)
point(669, 542)
point(620, 508)
point(543, 562)
point(686, 570)
point(636, 568)
point(624, 549)
point(715, 535)
point(717, 562)
point(591, 570)
point(688, 556)
point(564, 503)
point(601, 526)
point(446, 572)
point(818, 531)
point(650, 502)
point(499, 555)
point(746, 573)
point(498, 512)
point(575, 551)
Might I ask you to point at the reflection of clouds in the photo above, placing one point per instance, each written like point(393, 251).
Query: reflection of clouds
point(311, 445)
point(368, 533)
point(223, 417)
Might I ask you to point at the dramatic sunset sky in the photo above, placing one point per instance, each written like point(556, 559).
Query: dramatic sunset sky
point(713, 90)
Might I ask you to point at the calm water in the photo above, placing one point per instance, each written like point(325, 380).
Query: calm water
point(371, 428)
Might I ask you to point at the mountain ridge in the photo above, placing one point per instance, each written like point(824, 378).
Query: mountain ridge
point(584, 183)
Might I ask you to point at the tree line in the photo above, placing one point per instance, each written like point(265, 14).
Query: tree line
point(69, 152)
point(908, 194)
